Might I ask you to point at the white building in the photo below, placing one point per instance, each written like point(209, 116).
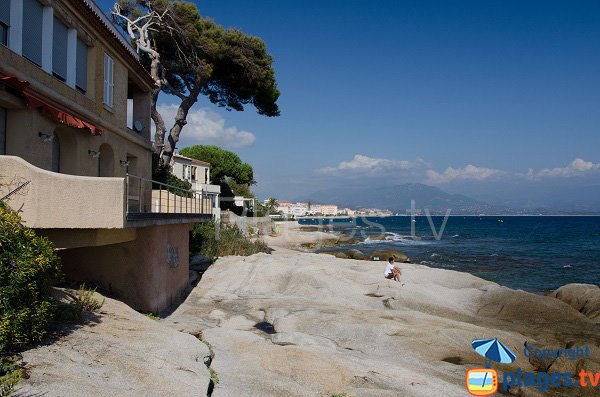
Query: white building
point(198, 174)
point(329, 210)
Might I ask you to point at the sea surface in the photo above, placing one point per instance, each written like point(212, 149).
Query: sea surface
point(533, 253)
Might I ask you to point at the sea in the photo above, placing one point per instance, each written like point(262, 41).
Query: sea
point(533, 253)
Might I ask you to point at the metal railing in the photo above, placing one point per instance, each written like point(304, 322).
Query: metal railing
point(148, 196)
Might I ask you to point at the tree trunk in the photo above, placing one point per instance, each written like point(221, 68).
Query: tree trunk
point(180, 122)
point(159, 123)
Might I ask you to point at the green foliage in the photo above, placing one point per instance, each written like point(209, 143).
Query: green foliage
point(230, 67)
point(162, 173)
point(152, 316)
point(213, 375)
point(79, 302)
point(11, 373)
point(28, 266)
point(84, 299)
point(215, 240)
point(224, 164)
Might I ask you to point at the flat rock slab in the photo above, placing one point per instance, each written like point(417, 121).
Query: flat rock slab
point(315, 325)
point(119, 352)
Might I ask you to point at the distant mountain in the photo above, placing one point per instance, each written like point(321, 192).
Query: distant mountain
point(397, 198)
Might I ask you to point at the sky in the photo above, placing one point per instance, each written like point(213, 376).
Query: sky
point(487, 98)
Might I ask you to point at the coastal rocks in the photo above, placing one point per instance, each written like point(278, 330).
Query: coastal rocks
point(585, 298)
point(356, 254)
point(331, 326)
point(377, 255)
point(385, 254)
point(119, 352)
point(337, 254)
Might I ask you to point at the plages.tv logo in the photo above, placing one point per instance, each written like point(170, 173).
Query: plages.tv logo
point(484, 381)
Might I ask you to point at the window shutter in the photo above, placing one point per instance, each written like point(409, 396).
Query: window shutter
point(111, 79)
point(108, 80)
point(5, 12)
point(82, 65)
point(59, 49)
point(33, 17)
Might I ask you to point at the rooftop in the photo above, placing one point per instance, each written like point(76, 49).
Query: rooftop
point(199, 162)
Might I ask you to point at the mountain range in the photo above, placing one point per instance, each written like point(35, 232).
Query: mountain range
point(397, 198)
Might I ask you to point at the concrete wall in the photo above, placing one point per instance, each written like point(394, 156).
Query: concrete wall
point(149, 273)
point(53, 200)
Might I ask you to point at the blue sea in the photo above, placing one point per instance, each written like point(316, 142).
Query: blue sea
point(533, 253)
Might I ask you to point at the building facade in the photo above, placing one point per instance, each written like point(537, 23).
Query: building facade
point(197, 173)
point(72, 162)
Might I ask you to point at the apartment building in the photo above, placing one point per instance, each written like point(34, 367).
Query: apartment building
point(72, 162)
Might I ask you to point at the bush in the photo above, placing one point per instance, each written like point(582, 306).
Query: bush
point(10, 374)
point(211, 241)
point(28, 265)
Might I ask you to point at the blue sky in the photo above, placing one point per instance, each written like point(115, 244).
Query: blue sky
point(416, 87)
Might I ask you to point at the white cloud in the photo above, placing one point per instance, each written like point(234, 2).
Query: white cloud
point(421, 170)
point(205, 127)
point(576, 168)
point(362, 164)
point(468, 173)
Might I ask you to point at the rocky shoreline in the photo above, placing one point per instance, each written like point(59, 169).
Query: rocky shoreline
point(305, 324)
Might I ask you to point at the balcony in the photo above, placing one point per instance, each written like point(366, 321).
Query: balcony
point(149, 200)
point(49, 200)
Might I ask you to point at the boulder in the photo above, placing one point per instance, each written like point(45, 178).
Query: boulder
point(585, 298)
point(356, 254)
point(337, 254)
point(377, 237)
point(385, 254)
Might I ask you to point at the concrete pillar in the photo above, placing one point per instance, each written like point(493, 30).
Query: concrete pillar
point(47, 39)
point(15, 36)
point(71, 57)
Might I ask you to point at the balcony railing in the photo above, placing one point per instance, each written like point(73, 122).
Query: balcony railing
point(145, 197)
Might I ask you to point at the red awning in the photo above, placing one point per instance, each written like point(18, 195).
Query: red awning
point(58, 115)
point(46, 108)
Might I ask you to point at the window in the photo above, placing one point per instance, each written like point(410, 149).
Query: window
point(4, 21)
point(109, 80)
point(82, 66)
point(59, 49)
point(193, 173)
point(2, 131)
point(3, 34)
point(33, 16)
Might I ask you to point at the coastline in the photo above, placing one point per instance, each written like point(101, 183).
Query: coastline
point(301, 324)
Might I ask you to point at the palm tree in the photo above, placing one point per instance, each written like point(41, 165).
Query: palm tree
point(271, 205)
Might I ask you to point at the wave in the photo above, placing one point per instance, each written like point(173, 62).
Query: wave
point(456, 235)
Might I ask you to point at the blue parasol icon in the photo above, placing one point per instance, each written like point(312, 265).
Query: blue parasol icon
point(493, 350)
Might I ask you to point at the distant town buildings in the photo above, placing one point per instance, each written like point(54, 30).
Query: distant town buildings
point(300, 209)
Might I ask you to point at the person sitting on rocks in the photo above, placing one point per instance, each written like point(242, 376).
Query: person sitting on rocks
point(391, 271)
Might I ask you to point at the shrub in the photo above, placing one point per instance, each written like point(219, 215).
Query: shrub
point(10, 374)
point(214, 240)
point(28, 265)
